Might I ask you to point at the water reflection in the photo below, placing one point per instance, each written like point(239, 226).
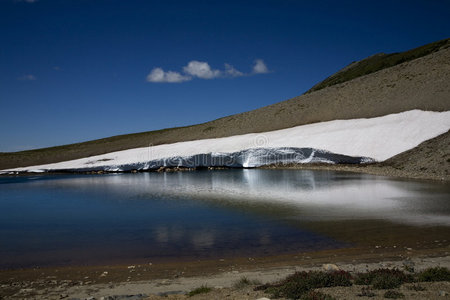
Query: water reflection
point(305, 195)
point(77, 219)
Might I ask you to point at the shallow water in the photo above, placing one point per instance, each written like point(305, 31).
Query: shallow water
point(147, 217)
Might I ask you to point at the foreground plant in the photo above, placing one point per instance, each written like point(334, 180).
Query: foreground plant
point(300, 283)
point(244, 282)
point(434, 274)
point(384, 278)
point(200, 290)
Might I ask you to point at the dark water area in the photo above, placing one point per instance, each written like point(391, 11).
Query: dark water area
point(52, 220)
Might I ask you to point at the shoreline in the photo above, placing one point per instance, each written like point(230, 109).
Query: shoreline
point(372, 169)
point(82, 282)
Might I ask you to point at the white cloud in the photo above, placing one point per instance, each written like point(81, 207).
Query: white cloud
point(260, 67)
point(231, 71)
point(159, 75)
point(28, 77)
point(201, 70)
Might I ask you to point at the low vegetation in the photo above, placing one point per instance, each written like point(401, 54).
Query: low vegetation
point(383, 279)
point(245, 282)
point(303, 285)
point(434, 274)
point(200, 290)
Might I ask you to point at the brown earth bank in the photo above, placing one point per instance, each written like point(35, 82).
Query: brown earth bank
point(422, 83)
point(228, 278)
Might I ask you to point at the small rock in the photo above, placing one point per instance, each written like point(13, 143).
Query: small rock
point(131, 267)
point(264, 298)
point(330, 267)
point(443, 293)
point(104, 274)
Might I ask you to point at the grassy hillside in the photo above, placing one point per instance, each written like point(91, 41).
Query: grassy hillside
point(379, 62)
point(422, 83)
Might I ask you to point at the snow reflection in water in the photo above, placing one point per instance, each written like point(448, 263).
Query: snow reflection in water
point(75, 219)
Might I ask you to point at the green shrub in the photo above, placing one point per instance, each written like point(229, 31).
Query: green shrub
point(201, 290)
point(434, 274)
point(393, 295)
point(300, 283)
point(384, 282)
point(384, 278)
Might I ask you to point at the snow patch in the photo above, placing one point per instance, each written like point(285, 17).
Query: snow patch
point(338, 141)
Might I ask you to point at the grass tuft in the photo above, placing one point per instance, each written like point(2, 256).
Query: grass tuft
point(434, 274)
point(200, 290)
point(244, 282)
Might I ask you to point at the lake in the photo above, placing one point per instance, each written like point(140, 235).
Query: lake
point(52, 220)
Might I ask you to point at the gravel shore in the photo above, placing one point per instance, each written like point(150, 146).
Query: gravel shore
point(234, 283)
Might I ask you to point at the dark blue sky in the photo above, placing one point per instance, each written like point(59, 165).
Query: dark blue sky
point(75, 70)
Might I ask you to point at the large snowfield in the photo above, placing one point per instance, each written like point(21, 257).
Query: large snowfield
point(339, 141)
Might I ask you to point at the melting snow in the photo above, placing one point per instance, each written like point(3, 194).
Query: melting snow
point(351, 141)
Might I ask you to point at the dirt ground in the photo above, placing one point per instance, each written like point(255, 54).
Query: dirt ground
point(173, 280)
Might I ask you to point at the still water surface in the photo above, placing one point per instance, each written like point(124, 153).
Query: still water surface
point(147, 217)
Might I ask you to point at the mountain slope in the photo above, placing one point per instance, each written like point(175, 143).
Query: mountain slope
point(379, 62)
point(422, 83)
point(431, 159)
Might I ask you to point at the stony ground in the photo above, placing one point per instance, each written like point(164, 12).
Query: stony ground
point(228, 285)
